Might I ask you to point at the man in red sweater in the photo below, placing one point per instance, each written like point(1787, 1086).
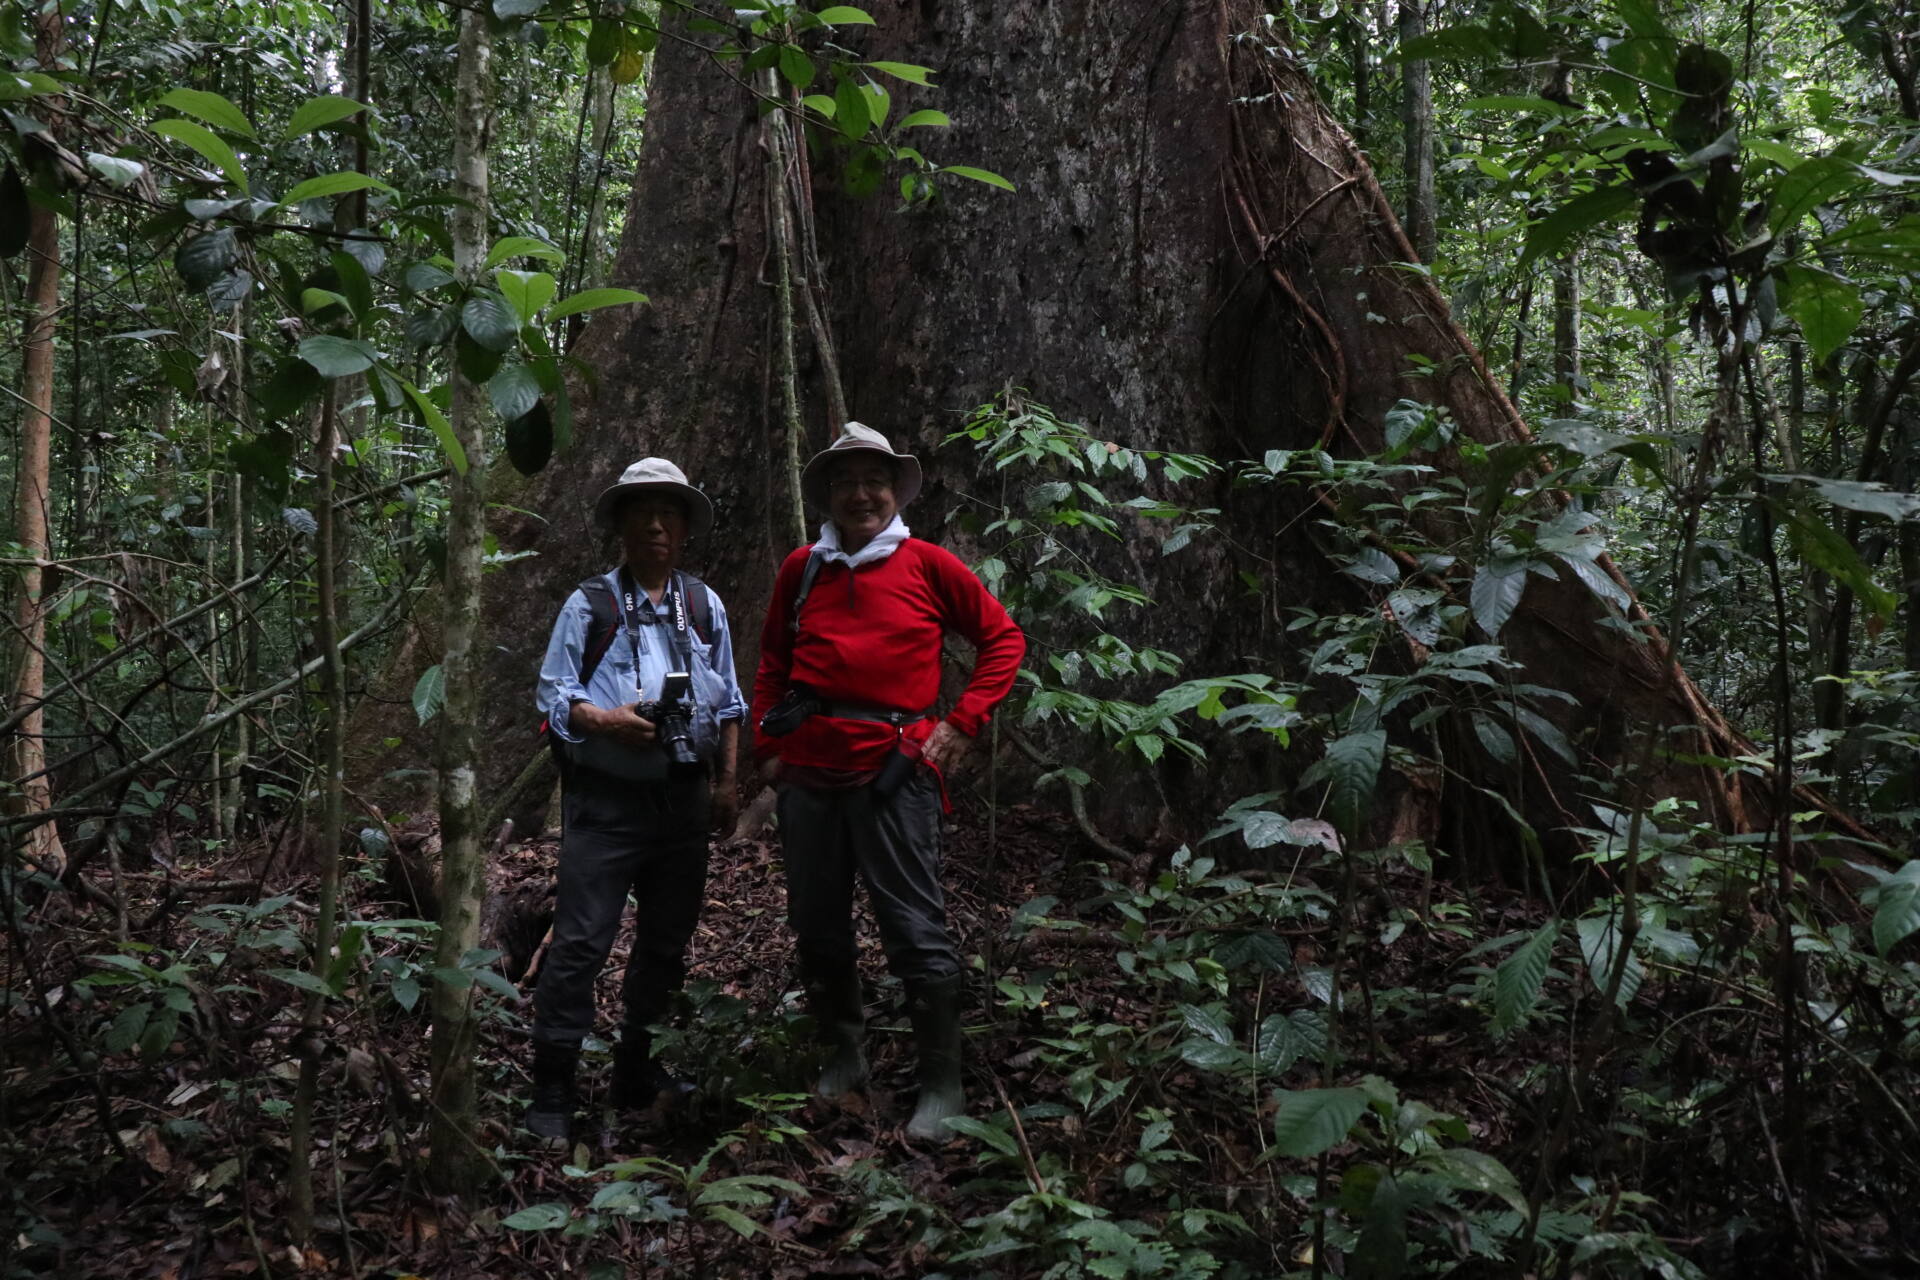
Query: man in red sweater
point(843, 714)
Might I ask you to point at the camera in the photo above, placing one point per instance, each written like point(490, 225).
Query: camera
point(672, 717)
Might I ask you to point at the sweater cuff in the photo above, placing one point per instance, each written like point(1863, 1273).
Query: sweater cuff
point(967, 722)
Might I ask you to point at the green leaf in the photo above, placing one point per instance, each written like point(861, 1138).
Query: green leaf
point(530, 440)
point(208, 144)
point(1897, 910)
point(850, 113)
point(117, 172)
point(593, 299)
point(1818, 543)
point(424, 277)
point(331, 184)
point(207, 257)
point(1257, 949)
point(125, 1031)
point(927, 118)
point(438, 424)
point(514, 391)
point(337, 357)
point(1314, 1120)
point(1599, 939)
point(291, 385)
point(430, 692)
point(604, 42)
point(999, 1139)
point(796, 66)
point(490, 321)
point(318, 113)
point(1826, 307)
point(538, 1217)
point(211, 107)
point(507, 10)
point(1353, 767)
point(302, 979)
point(1517, 982)
point(522, 247)
point(1807, 186)
point(1495, 593)
point(526, 292)
point(406, 992)
point(1549, 235)
point(978, 175)
point(844, 15)
point(907, 71)
point(432, 326)
point(1466, 1170)
point(731, 1217)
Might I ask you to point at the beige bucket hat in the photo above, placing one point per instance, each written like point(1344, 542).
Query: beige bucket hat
point(655, 474)
point(857, 437)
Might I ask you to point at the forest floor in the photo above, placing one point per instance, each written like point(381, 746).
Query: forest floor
point(1101, 1110)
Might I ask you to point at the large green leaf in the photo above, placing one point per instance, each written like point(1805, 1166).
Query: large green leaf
point(1806, 186)
point(337, 357)
point(1353, 767)
point(1497, 587)
point(489, 321)
point(525, 291)
point(1549, 235)
point(1517, 982)
point(437, 423)
point(430, 692)
point(318, 113)
point(331, 184)
point(211, 107)
point(978, 175)
point(1313, 1120)
point(1826, 307)
point(592, 300)
point(1897, 908)
point(537, 1217)
point(514, 391)
point(208, 144)
point(1466, 1170)
point(1600, 948)
point(510, 247)
point(207, 257)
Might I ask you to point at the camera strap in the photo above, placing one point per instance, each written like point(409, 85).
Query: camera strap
point(675, 600)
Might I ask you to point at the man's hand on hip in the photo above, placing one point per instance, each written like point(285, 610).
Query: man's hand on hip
point(944, 745)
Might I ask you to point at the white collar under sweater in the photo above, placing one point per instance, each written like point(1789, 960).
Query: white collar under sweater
point(884, 544)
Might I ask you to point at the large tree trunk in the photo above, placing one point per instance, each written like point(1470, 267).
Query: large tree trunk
point(1197, 258)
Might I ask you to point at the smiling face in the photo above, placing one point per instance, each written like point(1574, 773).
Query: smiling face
point(653, 529)
point(860, 498)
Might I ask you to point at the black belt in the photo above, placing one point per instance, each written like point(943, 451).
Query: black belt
point(872, 714)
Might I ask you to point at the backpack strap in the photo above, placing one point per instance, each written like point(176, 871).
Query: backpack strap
point(815, 559)
point(602, 626)
point(699, 607)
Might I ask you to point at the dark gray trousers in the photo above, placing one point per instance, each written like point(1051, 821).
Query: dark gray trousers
point(650, 837)
point(893, 845)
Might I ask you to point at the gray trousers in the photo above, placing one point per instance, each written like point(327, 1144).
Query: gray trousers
point(893, 845)
point(648, 837)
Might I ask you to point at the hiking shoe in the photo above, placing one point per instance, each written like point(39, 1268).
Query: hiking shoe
point(935, 1010)
point(550, 1112)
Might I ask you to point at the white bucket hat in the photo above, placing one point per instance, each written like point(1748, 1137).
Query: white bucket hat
point(656, 474)
point(857, 437)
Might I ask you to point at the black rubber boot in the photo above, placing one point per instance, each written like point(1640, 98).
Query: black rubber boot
point(550, 1114)
point(835, 1004)
point(935, 1010)
point(638, 1080)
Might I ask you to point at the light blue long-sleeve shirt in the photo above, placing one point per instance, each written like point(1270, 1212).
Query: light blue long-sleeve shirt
point(618, 680)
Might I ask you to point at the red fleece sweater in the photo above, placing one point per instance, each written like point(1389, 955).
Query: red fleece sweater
point(873, 635)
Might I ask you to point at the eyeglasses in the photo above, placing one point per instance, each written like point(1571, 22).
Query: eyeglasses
point(870, 484)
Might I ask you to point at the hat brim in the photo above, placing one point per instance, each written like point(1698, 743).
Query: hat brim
point(699, 506)
point(813, 478)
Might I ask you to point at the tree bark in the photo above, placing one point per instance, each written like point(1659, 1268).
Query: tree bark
point(1416, 116)
point(454, 1167)
point(33, 495)
point(1198, 258)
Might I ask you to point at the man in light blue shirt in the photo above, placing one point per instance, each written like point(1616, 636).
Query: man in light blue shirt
point(641, 784)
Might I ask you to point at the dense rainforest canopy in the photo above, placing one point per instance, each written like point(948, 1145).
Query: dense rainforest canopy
point(1456, 463)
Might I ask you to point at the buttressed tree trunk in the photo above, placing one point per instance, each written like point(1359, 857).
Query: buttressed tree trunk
point(1197, 258)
